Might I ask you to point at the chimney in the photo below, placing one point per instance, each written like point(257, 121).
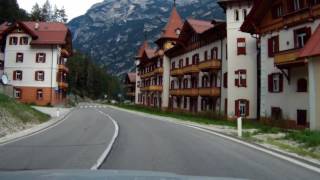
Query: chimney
point(36, 26)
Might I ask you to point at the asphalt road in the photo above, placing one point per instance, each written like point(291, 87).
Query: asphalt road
point(76, 143)
point(143, 144)
point(154, 145)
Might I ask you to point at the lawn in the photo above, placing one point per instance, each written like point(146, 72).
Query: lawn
point(24, 113)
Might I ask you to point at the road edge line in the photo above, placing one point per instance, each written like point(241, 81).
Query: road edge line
point(239, 141)
point(107, 151)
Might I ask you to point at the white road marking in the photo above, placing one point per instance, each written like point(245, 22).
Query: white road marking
point(289, 159)
point(109, 147)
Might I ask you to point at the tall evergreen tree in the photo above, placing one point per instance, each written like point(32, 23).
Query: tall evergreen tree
point(10, 11)
point(36, 13)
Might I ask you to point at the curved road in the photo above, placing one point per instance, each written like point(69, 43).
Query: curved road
point(143, 144)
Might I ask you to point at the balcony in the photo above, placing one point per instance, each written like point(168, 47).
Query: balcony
point(63, 85)
point(288, 58)
point(213, 64)
point(176, 72)
point(156, 88)
point(296, 17)
point(63, 67)
point(191, 69)
point(130, 94)
point(210, 92)
point(152, 73)
point(185, 92)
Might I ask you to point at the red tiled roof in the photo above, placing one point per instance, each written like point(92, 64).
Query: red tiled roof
point(142, 48)
point(48, 33)
point(200, 26)
point(174, 22)
point(131, 77)
point(312, 48)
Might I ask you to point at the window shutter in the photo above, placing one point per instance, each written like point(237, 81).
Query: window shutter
point(247, 108)
point(244, 80)
point(37, 58)
point(236, 81)
point(14, 75)
point(21, 75)
point(44, 58)
point(277, 49)
point(36, 76)
point(241, 45)
point(308, 31)
point(225, 80)
point(270, 50)
point(281, 83)
point(236, 108)
point(270, 82)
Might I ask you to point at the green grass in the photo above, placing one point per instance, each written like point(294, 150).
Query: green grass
point(307, 137)
point(24, 113)
point(297, 150)
point(202, 118)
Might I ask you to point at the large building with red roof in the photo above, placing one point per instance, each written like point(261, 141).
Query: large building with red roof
point(288, 33)
point(33, 57)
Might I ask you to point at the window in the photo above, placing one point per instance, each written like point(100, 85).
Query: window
point(244, 12)
point(273, 46)
point(214, 53)
point(275, 83)
point(241, 78)
point(187, 61)
point(194, 82)
point(17, 93)
point(185, 102)
point(205, 81)
point(17, 75)
point(276, 113)
point(195, 59)
point(302, 117)
point(206, 55)
point(19, 58)
point(39, 76)
point(40, 58)
point(185, 83)
point(39, 94)
point(302, 85)
point(314, 2)
point(301, 36)
point(241, 46)
point(173, 65)
point(297, 4)
point(24, 40)
point(180, 63)
point(236, 15)
point(172, 84)
point(13, 41)
point(242, 108)
point(225, 80)
point(1, 65)
point(277, 11)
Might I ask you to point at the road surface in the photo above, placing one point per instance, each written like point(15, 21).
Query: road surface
point(143, 144)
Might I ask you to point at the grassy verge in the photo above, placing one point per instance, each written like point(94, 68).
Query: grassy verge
point(22, 112)
point(307, 137)
point(202, 118)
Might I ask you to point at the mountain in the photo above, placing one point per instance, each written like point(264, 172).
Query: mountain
point(111, 31)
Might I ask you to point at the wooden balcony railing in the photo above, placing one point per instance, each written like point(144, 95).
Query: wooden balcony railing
point(152, 73)
point(185, 92)
point(211, 92)
point(191, 69)
point(287, 58)
point(63, 85)
point(210, 65)
point(176, 72)
point(63, 67)
point(131, 94)
point(152, 88)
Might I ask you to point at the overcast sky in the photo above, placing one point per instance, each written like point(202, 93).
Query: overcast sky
point(74, 8)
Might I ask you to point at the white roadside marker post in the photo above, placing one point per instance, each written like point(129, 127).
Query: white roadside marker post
point(58, 112)
point(239, 123)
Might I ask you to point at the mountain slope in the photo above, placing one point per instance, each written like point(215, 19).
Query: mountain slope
point(111, 31)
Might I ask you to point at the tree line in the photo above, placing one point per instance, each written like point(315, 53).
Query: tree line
point(10, 12)
point(87, 79)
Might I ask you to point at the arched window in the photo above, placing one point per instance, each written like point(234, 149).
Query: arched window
point(205, 80)
point(302, 85)
point(185, 83)
point(172, 84)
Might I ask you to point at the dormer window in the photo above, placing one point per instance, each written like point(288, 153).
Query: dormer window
point(13, 41)
point(24, 41)
point(178, 31)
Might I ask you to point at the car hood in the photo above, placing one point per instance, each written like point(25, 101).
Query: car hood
point(98, 175)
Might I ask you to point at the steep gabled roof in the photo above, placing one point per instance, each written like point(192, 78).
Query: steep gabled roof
point(200, 26)
point(312, 48)
point(142, 48)
point(174, 22)
point(131, 77)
